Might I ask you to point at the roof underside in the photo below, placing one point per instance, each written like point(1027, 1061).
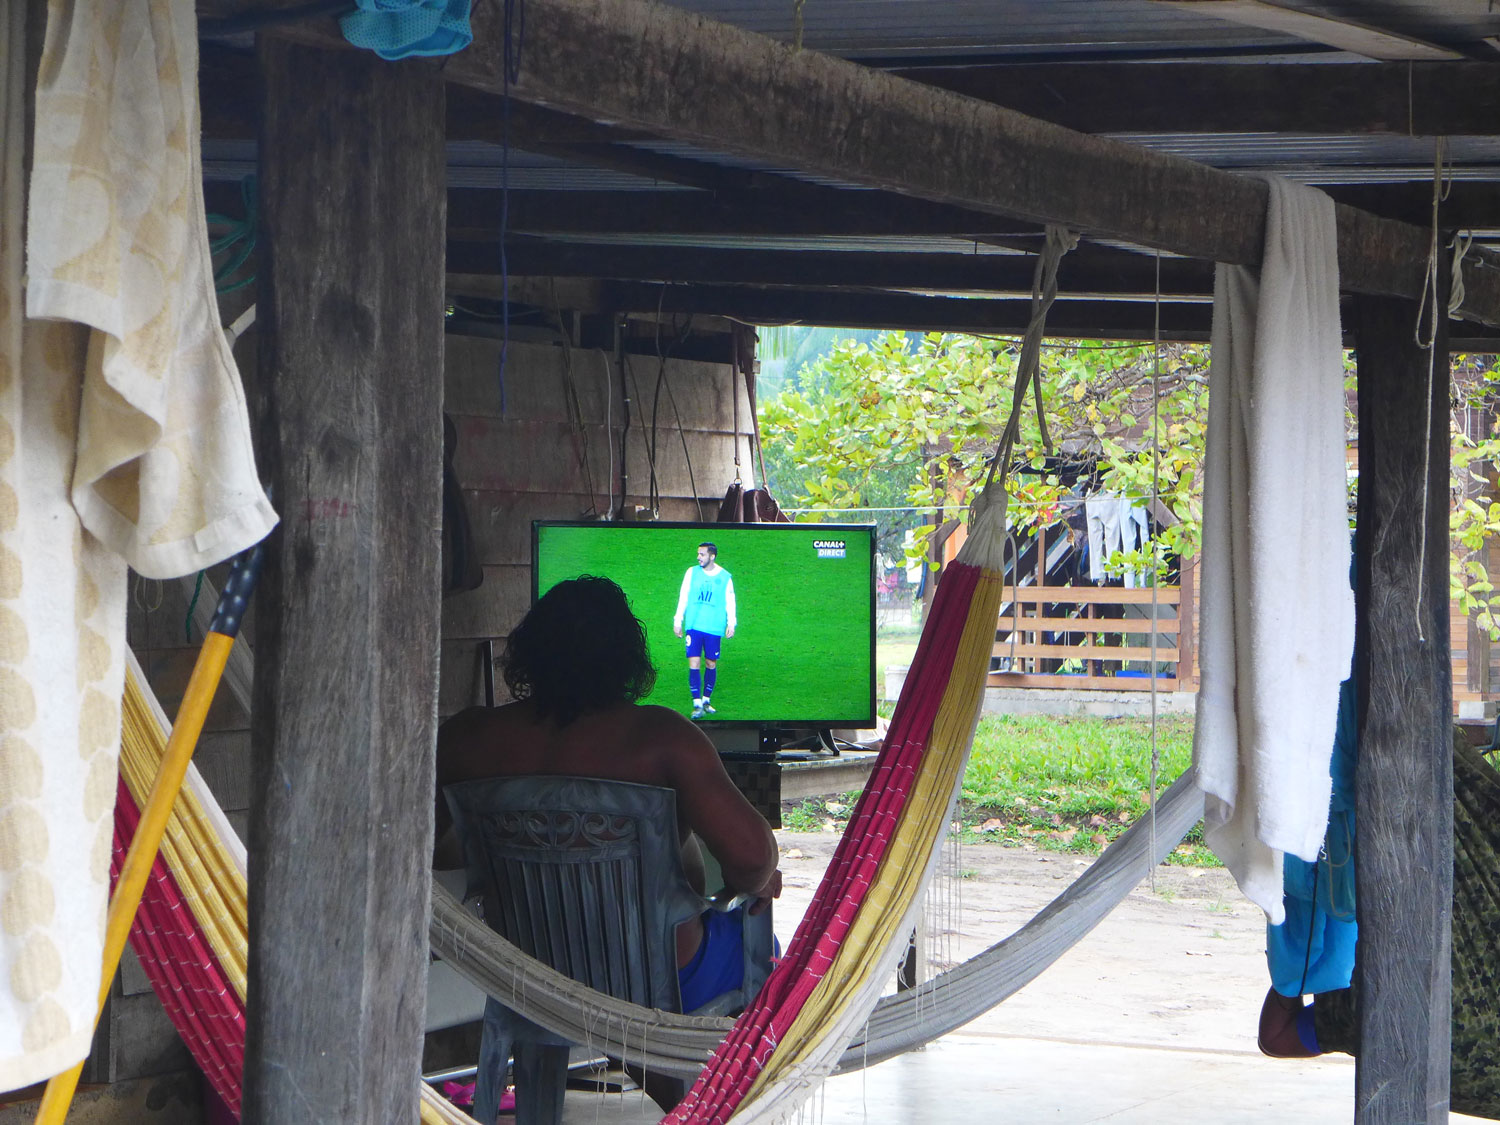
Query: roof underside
point(1290, 89)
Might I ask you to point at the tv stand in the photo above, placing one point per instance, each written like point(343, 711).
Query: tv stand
point(771, 742)
point(741, 741)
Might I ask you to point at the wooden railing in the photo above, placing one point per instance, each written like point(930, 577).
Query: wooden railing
point(1094, 632)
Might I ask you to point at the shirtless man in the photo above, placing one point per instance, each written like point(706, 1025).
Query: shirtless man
point(576, 665)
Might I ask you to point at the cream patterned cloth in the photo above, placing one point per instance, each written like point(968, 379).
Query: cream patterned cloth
point(124, 439)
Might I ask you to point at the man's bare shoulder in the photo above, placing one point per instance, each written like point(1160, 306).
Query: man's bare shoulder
point(666, 728)
point(472, 721)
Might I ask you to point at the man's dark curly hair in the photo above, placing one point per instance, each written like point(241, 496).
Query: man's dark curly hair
point(580, 649)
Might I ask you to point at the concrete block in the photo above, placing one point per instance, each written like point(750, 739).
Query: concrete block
point(167, 1099)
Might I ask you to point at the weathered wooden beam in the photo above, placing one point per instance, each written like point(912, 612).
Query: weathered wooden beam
point(1404, 786)
point(674, 74)
point(1091, 98)
point(1112, 275)
point(1425, 99)
point(351, 356)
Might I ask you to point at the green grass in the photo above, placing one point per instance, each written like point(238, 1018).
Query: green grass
point(1055, 783)
point(790, 657)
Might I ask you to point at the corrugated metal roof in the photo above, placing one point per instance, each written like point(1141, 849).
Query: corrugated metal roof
point(1013, 29)
point(1341, 159)
point(898, 28)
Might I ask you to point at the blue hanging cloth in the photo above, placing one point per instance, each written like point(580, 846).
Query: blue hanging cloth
point(396, 29)
point(1313, 951)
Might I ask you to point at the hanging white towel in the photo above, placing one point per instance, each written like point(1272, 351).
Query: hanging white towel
point(1105, 532)
point(123, 438)
point(1277, 613)
point(1137, 534)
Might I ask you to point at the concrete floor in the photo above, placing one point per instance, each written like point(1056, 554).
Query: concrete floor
point(1150, 1019)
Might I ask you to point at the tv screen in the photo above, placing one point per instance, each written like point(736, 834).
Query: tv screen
point(802, 648)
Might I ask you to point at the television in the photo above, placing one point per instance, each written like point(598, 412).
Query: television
point(802, 653)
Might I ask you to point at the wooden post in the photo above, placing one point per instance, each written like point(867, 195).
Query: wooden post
point(351, 355)
point(1404, 793)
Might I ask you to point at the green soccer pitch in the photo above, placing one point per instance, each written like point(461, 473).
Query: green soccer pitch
point(801, 651)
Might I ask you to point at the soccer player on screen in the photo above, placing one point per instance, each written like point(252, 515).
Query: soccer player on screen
point(705, 609)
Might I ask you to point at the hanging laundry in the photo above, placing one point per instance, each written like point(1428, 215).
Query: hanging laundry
point(1277, 632)
point(1103, 514)
point(1115, 523)
point(397, 29)
point(1136, 534)
point(124, 439)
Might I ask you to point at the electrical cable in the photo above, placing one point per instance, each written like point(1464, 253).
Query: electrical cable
point(609, 435)
point(513, 35)
point(648, 439)
point(573, 403)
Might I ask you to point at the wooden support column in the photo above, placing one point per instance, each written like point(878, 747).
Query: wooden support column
point(351, 358)
point(1404, 801)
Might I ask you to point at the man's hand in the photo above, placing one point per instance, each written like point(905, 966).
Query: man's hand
point(771, 890)
point(677, 627)
point(729, 632)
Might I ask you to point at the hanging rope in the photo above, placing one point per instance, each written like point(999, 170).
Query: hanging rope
point(1028, 374)
point(1155, 499)
point(1427, 309)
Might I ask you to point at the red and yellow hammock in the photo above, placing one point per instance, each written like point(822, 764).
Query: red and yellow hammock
point(834, 969)
point(190, 931)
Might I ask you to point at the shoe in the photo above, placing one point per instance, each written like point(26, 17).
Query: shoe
point(697, 711)
point(1278, 1038)
point(708, 708)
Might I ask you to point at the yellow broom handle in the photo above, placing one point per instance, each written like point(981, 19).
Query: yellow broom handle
point(174, 764)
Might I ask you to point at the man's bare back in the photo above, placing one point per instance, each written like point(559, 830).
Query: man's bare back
point(621, 742)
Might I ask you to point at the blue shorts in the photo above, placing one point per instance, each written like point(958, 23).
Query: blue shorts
point(719, 965)
point(703, 644)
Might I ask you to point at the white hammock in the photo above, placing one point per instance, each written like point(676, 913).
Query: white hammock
point(680, 1045)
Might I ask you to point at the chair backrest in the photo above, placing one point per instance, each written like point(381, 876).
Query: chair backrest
point(584, 875)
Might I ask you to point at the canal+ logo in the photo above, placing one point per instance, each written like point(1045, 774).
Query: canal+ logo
point(829, 548)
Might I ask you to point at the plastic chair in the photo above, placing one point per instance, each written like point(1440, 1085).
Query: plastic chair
point(586, 876)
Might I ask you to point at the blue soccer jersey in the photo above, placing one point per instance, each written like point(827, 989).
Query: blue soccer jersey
point(706, 602)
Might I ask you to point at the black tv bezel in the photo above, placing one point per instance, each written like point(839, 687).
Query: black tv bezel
point(857, 722)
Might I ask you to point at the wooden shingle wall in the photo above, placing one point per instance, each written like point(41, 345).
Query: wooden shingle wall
point(535, 457)
point(549, 448)
point(525, 461)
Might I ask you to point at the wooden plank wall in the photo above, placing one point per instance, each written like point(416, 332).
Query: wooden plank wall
point(528, 461)
point(515, 465)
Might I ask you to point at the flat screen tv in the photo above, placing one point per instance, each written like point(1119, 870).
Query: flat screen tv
point(802, 651)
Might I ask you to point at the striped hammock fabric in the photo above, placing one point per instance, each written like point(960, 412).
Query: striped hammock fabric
point(208, 1014)
point(832, 973)
point(191, 932)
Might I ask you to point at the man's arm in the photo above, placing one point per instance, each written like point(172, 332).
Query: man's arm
point(453, 741)
point(729, 606)
point(718, 813)
point(682, 600)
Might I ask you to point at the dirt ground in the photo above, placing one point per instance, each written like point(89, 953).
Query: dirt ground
point(1182, 965)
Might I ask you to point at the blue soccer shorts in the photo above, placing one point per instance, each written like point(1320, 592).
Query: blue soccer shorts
point(705, 645)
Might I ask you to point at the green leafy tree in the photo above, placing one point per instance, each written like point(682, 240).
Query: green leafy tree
point(925, 417)
point(897, 419)
point(1474, 516)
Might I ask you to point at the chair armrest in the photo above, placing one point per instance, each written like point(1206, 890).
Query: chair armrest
point(726, 900)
